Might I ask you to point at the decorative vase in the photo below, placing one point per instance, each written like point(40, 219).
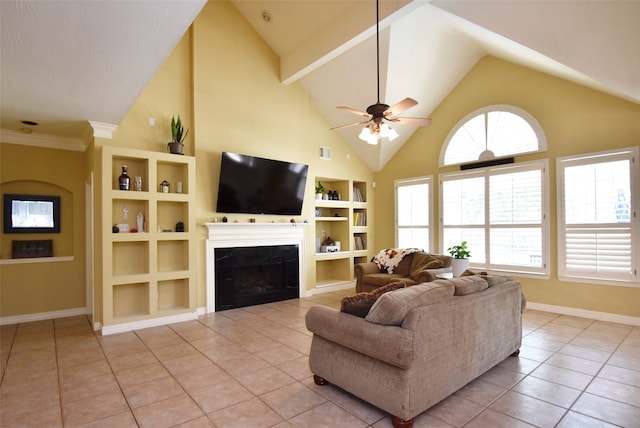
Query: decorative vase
point(458, 266)
point(175, 148)
point(318, 196)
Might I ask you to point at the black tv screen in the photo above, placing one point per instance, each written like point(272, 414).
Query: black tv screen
point(253, 185)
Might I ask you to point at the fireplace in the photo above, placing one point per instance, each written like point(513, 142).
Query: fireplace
point(247, 276)
point(253, 263)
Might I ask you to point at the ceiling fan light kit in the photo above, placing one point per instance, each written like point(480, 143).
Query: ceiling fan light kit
point(378, 114)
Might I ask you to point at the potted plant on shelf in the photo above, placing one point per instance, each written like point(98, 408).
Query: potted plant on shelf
point(178, 134)
point(460, 254)
point(319, 191)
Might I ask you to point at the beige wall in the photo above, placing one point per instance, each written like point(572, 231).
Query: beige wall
point(575, 120)
point(44, 287)
point(223, 81)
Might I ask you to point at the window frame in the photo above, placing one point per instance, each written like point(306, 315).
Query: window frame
point(409, 182)
point(486, 173)
point(525, 115)
point(632, 154)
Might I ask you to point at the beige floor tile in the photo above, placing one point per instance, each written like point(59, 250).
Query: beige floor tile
point(502, 377)
point(489, 418)
point(279, 354)
point(455, 410)
point(181, 349)
point(245, 363)
point(201, 422)
point(620, 374)
point(186, 363)
point(578, 420)
point(94, 408)
point(120, 420)
point(585, 353)
point(481, 392)
point(130, 361)
point(168, 413)
point(141, 374)
point(608, 410)
point(615, 391)
point(297, 369)
point(48, 416)
point(580, 365)
point(150, 392)
point(327, 415)
point(96, 385)
point(250, 413)
point(528, 409)
point(292, 400)
point(82, 373)
point(220, 395)
point(562, 376)
point(201, 377)
point(265, 380)
point(547, 391)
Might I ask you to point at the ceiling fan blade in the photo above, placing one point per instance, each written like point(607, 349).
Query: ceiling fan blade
point(348, 125)
point(411, 121)
point(398, 108)
point(354, 111)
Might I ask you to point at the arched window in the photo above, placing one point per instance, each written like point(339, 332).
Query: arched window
point(492, 132)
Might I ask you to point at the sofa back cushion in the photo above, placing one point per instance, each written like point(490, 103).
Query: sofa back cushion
point(466, 284)
point(391, 308)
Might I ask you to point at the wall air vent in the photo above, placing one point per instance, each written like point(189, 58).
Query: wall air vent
point(325, 153)
point(484, 164)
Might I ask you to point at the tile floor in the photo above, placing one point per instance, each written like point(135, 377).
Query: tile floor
point(248, 368)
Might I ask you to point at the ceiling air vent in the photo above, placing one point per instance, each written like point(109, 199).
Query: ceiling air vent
point(325, 153)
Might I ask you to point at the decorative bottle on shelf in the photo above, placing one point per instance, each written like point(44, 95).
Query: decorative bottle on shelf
point(124, 179)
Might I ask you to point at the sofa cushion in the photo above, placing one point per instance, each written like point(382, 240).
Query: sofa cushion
point(428, 263)
point(466, 284)
point(360, 303)
point(380, 279)
point(391, 308)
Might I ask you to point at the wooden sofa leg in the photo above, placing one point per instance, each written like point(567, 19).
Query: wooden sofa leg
point(320, 380)
point(401, 423)
point(516, 353)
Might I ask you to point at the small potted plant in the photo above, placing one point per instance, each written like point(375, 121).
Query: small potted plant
point(460, 254)
point(178, 134)
point(319, 191)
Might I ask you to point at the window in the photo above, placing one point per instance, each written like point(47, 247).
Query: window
point(502, 213)
point(492, 132)
point(413, 213)
point(599, 235)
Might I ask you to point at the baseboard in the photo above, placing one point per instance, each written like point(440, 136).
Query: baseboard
point(154, 322)
point(584, 313)
point(41, 316)
point(334, 287)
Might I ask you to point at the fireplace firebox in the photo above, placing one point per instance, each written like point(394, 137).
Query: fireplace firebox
point(246, 276)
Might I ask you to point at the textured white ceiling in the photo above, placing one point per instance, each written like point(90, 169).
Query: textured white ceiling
point(63, 63)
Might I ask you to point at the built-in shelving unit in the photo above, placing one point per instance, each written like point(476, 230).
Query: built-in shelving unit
point(148, 274)
point(344, 221)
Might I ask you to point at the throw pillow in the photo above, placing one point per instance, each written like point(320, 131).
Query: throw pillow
point(392, 308)
point(360, 304)
point(433, 263)
point(468, 284)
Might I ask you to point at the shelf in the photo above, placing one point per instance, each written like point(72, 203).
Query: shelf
point(332, 218)
point(150, 274)
point(331, 204)
point(333, 256)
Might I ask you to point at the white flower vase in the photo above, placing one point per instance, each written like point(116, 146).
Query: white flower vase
point(458, 266)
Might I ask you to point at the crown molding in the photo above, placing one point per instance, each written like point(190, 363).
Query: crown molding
point(42, 140)
point(103, 130)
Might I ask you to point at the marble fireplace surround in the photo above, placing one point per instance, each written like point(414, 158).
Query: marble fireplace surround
point(232, 235)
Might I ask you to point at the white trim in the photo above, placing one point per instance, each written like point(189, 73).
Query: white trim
point(230, 235)
point(36, 260)
point(405, 182)
point(103, 130)
point(154, 322)
point(41, 316)
point(525, 115)
point(584, 313)
point(349, 285)
point(42, 140)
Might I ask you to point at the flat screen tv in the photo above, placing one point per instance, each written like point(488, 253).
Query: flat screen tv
point(253, 185)
point(31, 214)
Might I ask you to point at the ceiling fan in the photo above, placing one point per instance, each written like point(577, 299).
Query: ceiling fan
point(378, 114)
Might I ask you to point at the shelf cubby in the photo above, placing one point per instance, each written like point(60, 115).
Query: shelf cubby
point(131, 300)
point(173, 294)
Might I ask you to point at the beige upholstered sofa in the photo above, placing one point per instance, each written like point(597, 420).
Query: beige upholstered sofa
point(417, 345)
point(411, 270)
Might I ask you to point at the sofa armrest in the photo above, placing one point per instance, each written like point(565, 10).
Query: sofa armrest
point(391, 344)
point(429, 275)
point(362, 269)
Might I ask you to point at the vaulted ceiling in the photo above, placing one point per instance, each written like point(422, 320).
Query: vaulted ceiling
point(65, 75)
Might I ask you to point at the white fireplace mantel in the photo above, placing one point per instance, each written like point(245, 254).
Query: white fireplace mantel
point(230, 235)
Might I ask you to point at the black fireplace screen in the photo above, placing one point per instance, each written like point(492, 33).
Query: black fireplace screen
point(247, 276)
